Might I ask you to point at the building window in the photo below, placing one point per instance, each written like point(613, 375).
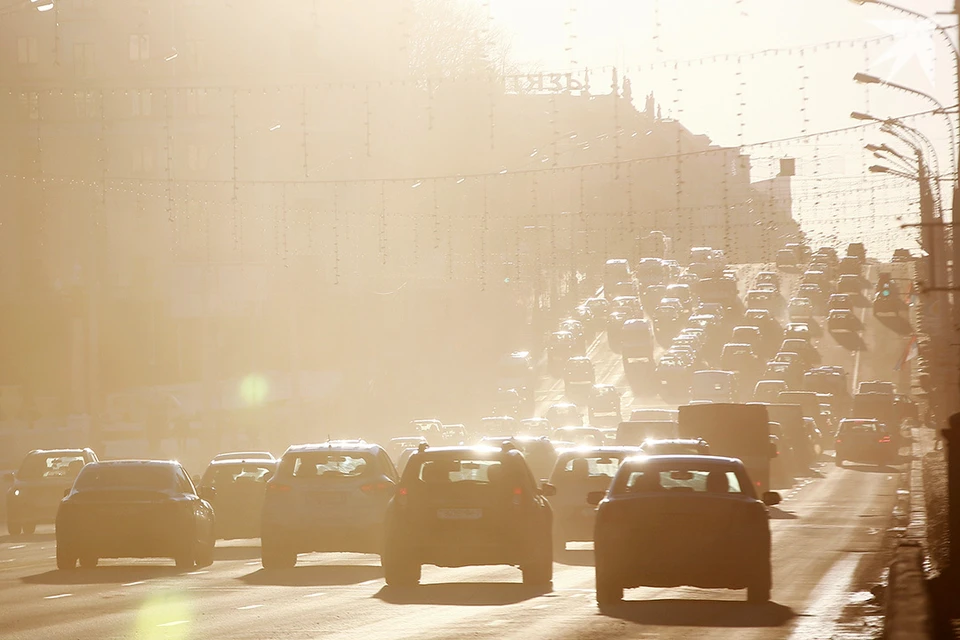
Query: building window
point(85, 104)
point(139, 47)
point(141, 103)
point(143, 159)
point(196, 157)
point(28, 51)
point(83, 58)
point(30, 105)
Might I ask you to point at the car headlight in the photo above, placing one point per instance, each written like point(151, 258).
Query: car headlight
point(16, 492)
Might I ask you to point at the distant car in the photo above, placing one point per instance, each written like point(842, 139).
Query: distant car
point(795, 330)
point(850, 266)
point(587, 436)
point(564, 414)
point(748, 335)
point(840, 301)
point(800, 310)
point(768, 390)
point(861, 440)
point(465, 506)
point(714, 386)
point(577, 473)
point(815, 294)
point(535, 427)
point(578, 378)
point(849, 284)
point(786, 258)
point(238, 487)
point(809, 353)
point(763, 320)
point(539, 451)
point(769, 277)
point(682, 520)
point(453, 434)
point(396, 446)
point(326, 497)
point(675, 447)
point(497, 425)
point(604, 402)
point(38, 485)
point(858, 251)
point(885, 304)
point(902, 255)
point(134, 509)
point(429, 428)
point(843, 321)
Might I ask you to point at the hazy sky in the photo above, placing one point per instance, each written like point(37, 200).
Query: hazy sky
point(783, 94)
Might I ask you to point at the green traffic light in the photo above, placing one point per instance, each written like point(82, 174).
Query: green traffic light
point(886, 292)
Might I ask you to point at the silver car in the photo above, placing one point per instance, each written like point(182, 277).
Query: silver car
point(326, 497)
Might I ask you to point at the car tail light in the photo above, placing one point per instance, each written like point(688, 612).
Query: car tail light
point(276, 487)
point(839, 441)
point(517, 494)
point(884, 439)
point(402, 496)
point(375, 487)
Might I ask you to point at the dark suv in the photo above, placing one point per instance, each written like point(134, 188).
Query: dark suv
point(38, 486)
point(465, 506)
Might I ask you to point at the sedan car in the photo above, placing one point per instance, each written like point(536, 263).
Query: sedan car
point(576, 473)
point(134, 509)
point(843, 321)
point(861, 440)
point(326, 497)
point(38, 485)
point(670, 521)
point(237, 497)
point(467, 506)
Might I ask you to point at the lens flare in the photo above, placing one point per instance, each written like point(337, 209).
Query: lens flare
point(164, 615)
point(254, 389)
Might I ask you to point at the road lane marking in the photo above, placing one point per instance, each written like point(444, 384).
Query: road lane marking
point(173, 623)
point(368, 582)
point(17, 546)
point(133, 584)
point(59, 595)
point(313, 595)
point(249, 606)
point(820, 617)
point(197, 573)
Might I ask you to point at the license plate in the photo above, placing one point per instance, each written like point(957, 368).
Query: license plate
point(460, 514)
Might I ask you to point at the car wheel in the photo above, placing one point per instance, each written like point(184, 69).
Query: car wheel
point(538, 570)
point(29, 528)
point(88, 561)
point(401, 573)
point(609, 590)
point(839, 462)
point(66, 559)
point(14, 528)
point(184, 559)
point(204, 553)
point(276, 557)
point(758, 594)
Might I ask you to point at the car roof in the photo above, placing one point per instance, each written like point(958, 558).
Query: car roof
point(335, 445)
point(263, 455)
point(58, 452)
point(718, 461)
point(675, 441)
point(240, 461)
point(136, 463)
point(575, 451)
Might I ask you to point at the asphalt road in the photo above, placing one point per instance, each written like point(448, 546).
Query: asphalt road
point(828, 528)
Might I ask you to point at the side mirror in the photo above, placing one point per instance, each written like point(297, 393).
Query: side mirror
point(773, 450)
point(770, 498)
point(207, 493)
point(548, 490)
point(594, 497)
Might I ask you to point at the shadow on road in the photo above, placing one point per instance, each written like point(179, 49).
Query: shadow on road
point(314, 576)
point(32, 537)
point(850, 340)
point(701, 613)
point(103, 575)
point(461, 594)
point(779, 514)
point(236, 553)
point(574, 557)
point(897, 324)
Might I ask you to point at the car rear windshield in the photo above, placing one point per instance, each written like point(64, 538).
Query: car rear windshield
point(589, 466)
point(41, 466)
point(680, 479)
point(236, 474)
point(326, 464)
point(155, 477)
point(858, 427)
point(467, 469)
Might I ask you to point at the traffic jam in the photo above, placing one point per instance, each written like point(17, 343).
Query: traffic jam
point(670, 462)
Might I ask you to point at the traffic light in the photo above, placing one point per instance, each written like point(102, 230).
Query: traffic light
point(885, 290)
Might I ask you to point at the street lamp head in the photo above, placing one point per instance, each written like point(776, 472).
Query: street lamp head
point(873, 147)
point(866, 78)
point(859, 115)
point(879, 168)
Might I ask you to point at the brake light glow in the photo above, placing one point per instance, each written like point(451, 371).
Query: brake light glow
point(517, 493)
point(839, 441)
point(375, 487)
point(884, 439)
point(272, 486)
point(402, 497)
